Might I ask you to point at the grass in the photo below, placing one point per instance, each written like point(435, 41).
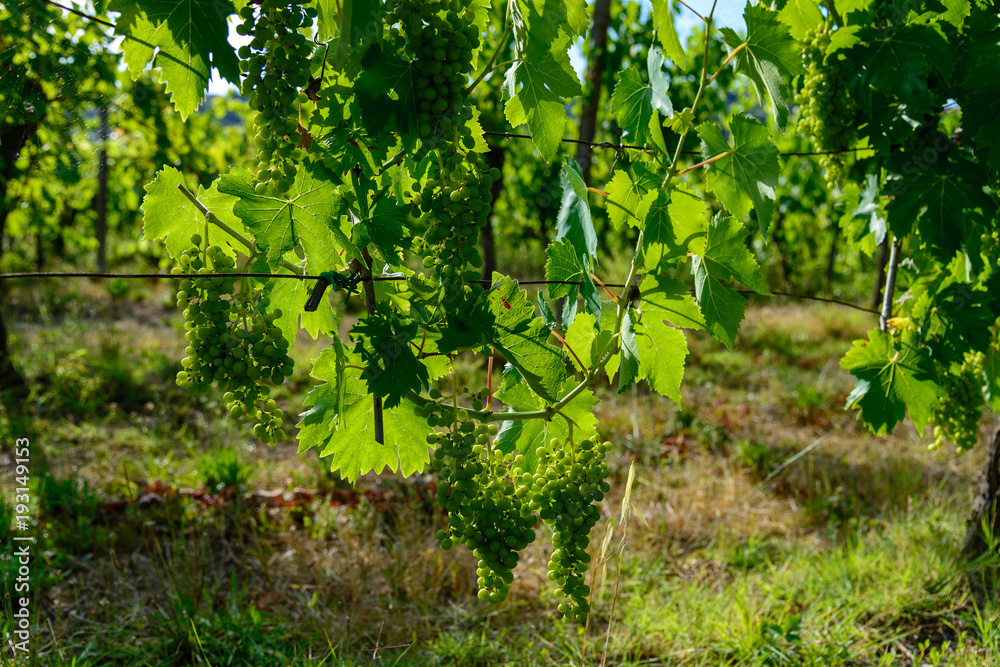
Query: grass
point(767, 528)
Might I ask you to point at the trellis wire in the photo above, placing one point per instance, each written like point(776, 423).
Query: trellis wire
point(178, 276)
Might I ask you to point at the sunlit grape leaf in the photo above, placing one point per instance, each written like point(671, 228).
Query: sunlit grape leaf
point(722, 307)
point(536, 89)
point(800, 16)
point(309, 218)
point(574, 223)
point(564, 263)
point(290, 296)
point(581, 336)
point(662, 351)
point(663, 23)
point(384, 228)
point(768, 56)
point(184, 39)
point(745, 176)
point(727, 256)
point(345, 427)
point(635, 102)
point(172, 217)
point(626, 190)
point(664, 298)
point(992, 368)
point(671, 227)
point(892, 377)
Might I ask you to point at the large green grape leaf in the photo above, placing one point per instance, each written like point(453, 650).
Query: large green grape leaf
point(892, 376)
point(289, 296)
point(523, 339)
point(726, 257)
point(341, 420)
point(538, 23)
point(634, 102)
point(564, 263)
point(943, 201)
point(626, 190)
point(663, 23)
point(745, 175)
point(360, 25)
point(662, 351)
point(536, 88)
point(184, 39)
point(172, 217)
point(526, 436)
point(384, 91)
point(309, 218)
point(581, 337)
point(768, 56)
point(673, 226)
point(664, 298)
point(897, 62)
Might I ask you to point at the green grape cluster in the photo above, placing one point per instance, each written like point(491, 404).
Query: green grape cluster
point(231, 339)
point(277, 65)
point(564, 490)
point(487, 511)
point(439, 38)
point(828, 114)
point(960, 409)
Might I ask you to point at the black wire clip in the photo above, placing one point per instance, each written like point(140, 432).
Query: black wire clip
point(339, 281)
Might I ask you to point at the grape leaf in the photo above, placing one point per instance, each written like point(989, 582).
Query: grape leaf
point(992, 368)
point(628, 369)
point(671, 227)
point(360, 26)
point(663, 23)
point(897, 62)
point(535, 88)
point(574, 223)
point(309, 218)
point(800, 16)
point(341, 419)
point(626, 190)
point(581, 336)
point(564, 263)
point(383, 90)
point(891, 378)
point(392, 370)
point(979, 96)
point(944, 202)
point(662, 351)
point(768, 56)
point(169, 215)
point(664, 298)
point(184, 39)
point(523, 338)
point(745, 176)
point(725, 258)
point(289, 296)
point(382, 228)
point(634, 102)
point(723, 308)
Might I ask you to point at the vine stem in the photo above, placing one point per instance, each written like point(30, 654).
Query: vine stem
point(489, 65)
point(214, 219)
